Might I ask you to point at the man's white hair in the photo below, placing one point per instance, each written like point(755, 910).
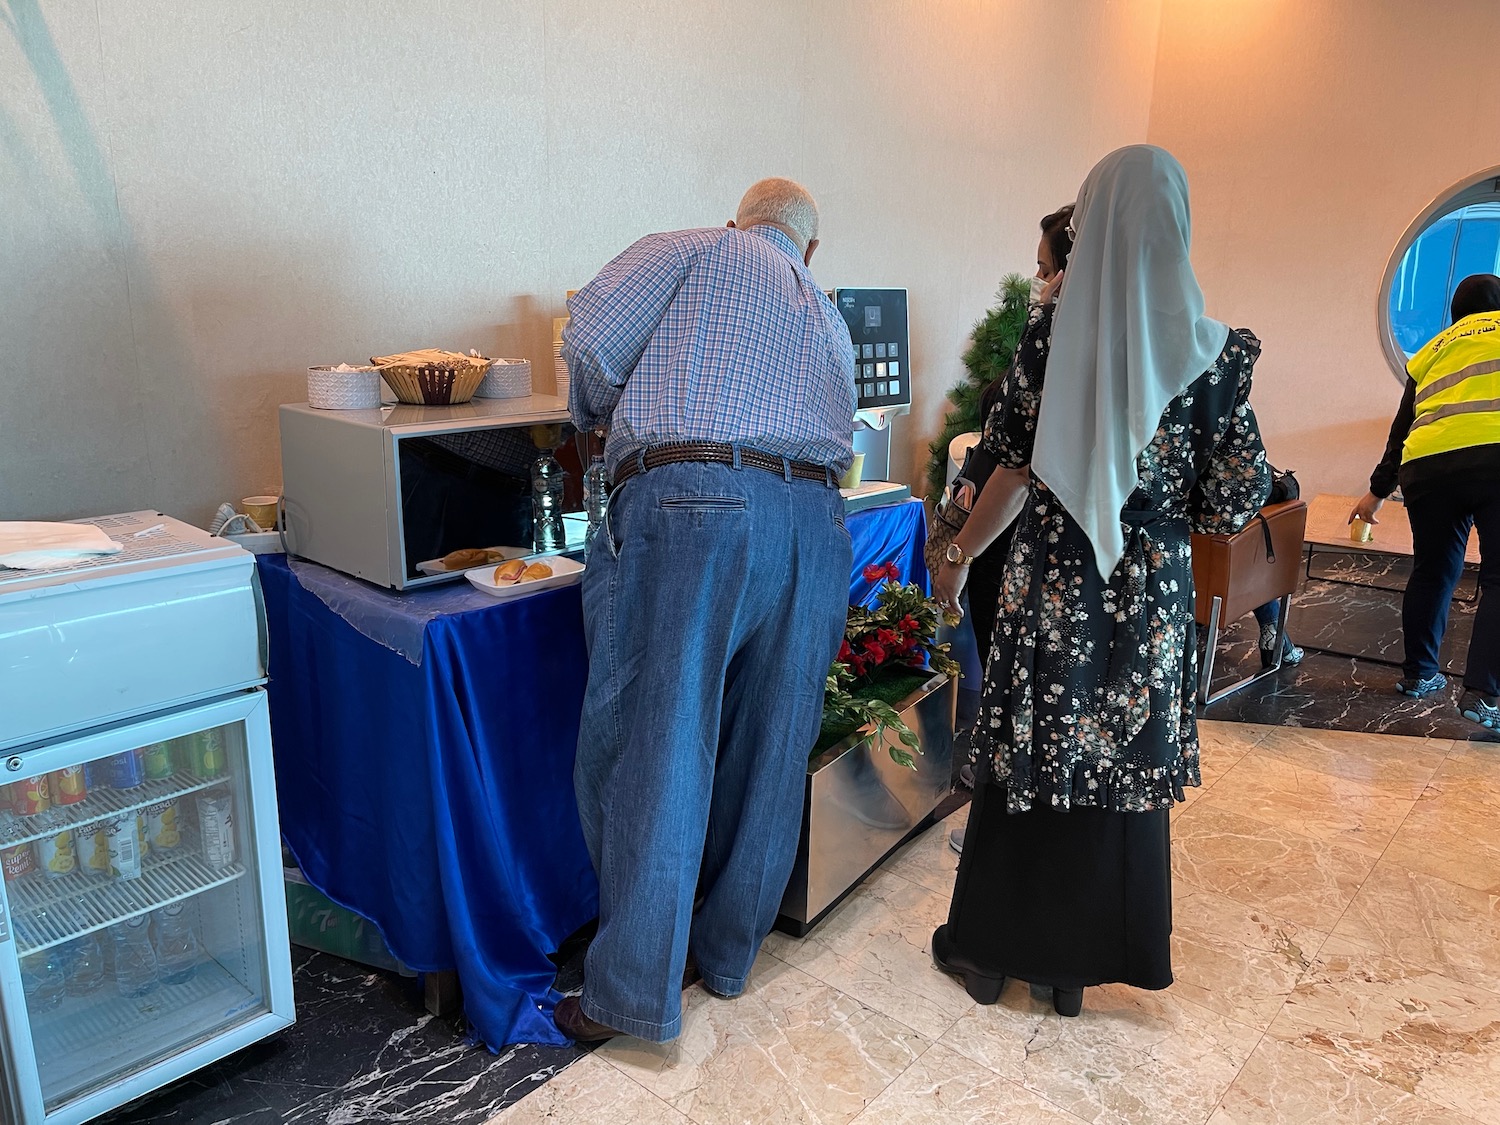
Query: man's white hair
point(783, 202)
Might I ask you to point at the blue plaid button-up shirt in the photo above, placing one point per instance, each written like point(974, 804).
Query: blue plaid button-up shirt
point(712, 335)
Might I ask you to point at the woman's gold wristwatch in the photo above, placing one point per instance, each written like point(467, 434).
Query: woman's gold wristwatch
point(955, 554)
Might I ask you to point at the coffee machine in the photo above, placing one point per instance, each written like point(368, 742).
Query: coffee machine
point(878, 327)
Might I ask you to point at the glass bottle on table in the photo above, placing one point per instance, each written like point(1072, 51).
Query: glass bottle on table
point(548, 480)
point(595, 492)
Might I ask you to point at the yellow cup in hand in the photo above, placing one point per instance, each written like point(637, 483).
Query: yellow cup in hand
point(1361, 532)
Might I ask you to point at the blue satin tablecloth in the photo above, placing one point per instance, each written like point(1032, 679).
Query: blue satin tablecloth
point(432, 792)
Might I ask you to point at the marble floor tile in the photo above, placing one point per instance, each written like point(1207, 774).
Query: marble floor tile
point(362, 1049)
point(1222, 745)
point(1234, 959)
point(790, 1051)
point(1307, 801)
point(1454, 830)
point(1287, 1085)
point(944, 1086)
point(591, 1091)
point(928, 860)
point(1427, 921)
point(1391, 762)
point(877, 948)
point(1131, 1058)
point(1407, 1026)
point(1298, 878)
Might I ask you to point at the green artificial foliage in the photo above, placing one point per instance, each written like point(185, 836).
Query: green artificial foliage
point(993, 344)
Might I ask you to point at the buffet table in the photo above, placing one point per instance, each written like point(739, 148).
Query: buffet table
point(424, 750)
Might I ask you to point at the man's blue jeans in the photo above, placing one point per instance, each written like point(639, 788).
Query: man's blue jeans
point(714, 602)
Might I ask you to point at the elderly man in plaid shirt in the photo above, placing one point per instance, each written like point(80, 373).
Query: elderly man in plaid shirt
point(715, 595)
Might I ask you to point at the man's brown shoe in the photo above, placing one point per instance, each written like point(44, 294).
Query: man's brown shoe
point(578, 1027)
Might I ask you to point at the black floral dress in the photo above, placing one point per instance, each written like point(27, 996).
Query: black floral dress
point(1087, 733)
point(1088, 695)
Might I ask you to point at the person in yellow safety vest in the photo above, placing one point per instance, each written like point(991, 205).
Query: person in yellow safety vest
point(1445, 449)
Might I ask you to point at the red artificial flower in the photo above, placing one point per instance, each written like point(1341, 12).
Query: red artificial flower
point(912, 643)
point(844, 653)
point(909, 624)
point(874, 572)
point(876, 652)
point(857, 665)
point(887, 638)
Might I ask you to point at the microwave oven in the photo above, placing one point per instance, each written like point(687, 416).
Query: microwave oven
point(384, 494)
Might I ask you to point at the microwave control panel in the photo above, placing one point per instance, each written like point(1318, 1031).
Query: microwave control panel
point(882, 359)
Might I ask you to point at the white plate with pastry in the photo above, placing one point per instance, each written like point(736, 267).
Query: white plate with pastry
point(456, 562)
point(516, 578)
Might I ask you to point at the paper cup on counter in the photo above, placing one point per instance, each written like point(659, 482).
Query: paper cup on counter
point(262, 509)
point(1361, 532)
point(856, 474)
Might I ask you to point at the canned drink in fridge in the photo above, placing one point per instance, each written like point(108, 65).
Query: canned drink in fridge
point(206, 754)
point(163, 828)
point(125, 856)
point(17, 862)
point(158, 761)
point(92, 844)
point(216, 824)
point(69, 785)
point(30, 797)
point(127, 770)
point(56, 856)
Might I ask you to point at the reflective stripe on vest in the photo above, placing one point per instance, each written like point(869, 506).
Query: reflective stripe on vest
point(1458, 389)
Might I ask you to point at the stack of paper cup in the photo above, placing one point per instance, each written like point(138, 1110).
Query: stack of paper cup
point(343, 387)
point(506, 378)
point(559, 367)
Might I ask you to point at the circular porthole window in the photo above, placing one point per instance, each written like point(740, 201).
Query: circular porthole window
point(1457, 235)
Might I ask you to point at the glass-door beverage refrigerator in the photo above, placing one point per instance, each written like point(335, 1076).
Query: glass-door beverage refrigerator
point(142, 922)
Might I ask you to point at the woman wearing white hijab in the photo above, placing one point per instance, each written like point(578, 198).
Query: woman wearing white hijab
point(1135, 425)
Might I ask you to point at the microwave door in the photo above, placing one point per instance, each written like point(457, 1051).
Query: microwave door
point(461, 491)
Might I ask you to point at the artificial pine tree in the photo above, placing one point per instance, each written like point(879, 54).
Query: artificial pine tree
point(988, 357)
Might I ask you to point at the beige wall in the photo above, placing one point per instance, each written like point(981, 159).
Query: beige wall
point(199, 200)
point(1313, 133)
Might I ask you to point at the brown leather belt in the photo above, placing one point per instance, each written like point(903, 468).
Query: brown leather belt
point(715, 453)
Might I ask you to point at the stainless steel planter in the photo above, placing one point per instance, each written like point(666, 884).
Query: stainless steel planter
point(861, 806)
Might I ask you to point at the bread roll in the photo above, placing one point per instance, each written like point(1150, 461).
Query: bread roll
point(463, 560)
point(509, 573)
point(535, 571)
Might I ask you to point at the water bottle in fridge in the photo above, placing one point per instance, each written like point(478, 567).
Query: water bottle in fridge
point(83, 964)
point(136, 968)
point(177, 948)
point(42, 980)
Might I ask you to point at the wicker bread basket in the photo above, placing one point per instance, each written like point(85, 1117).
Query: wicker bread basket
point(432, 378)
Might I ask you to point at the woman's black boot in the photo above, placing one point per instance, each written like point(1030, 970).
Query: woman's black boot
point(982, 987)
point(1067, 1001)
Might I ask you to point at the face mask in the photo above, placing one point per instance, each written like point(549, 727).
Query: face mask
point(1037, 285)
